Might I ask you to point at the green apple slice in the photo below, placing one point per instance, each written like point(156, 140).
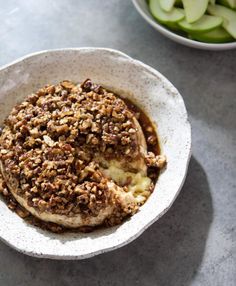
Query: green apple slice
point(228, 15)
point(228, 3)
point(218, 35)
point(194, 9)
point(173, 26)
point(205, 24)
point(162, 16)
point(167, 5)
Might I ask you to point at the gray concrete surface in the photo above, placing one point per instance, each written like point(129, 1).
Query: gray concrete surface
point(195, 242)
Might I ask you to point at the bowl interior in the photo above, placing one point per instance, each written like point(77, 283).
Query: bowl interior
point(142, 8)
point(130, 78)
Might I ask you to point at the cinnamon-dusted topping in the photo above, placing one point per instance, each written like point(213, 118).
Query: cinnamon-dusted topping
point(49, 144)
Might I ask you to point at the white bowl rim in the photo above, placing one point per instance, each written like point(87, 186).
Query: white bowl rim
point(180, 39)
point(144, 226)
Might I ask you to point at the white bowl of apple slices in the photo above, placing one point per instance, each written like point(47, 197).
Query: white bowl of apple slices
point(203, 24)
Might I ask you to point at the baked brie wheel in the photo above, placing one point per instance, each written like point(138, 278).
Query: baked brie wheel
point(76, 155)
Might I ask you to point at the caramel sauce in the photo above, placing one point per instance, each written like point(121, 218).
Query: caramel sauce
point(146, 125)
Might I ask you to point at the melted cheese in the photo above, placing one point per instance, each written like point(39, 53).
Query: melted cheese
point(137, 183)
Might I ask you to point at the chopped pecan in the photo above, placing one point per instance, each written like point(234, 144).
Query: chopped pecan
point(152, 140)
point(68, 85)
point(155, 161)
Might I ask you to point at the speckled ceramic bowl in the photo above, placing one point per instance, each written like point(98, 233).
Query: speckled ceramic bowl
point(142, 8)
point(132, 79)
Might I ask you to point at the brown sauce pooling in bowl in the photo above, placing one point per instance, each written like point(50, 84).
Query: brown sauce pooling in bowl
point(148, 128)
point(150, 134)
